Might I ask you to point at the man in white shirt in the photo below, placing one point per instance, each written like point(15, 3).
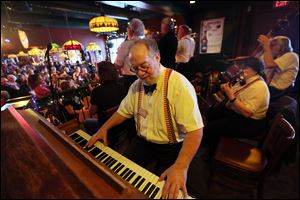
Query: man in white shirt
point(168, 121)
point(185, 51)
point(281, 64)
point(135, 30)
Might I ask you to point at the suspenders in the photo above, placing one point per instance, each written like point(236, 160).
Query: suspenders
point(166, 107)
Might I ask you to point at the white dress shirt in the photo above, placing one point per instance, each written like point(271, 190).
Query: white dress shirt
point(286, 75)
point(183, 106)
point(185, 49)
point(122, 58)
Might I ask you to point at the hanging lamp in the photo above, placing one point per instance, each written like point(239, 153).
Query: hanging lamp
point(103, 24)
point(92, 47)
point(72, 45)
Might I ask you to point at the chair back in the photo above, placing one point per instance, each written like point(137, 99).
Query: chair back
point(277, 141)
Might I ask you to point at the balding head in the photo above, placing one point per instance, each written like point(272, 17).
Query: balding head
point(145, 60)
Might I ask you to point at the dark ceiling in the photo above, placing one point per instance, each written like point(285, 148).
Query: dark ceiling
point(76, 14)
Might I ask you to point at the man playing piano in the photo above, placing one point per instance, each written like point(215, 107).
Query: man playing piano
point(168, 121)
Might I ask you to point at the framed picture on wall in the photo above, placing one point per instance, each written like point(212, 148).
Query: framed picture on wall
point(211, 35)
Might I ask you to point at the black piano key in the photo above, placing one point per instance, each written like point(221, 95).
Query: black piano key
point(103, 157)
point(130, 177)
point(115, 167)
point(95, 151)
point(78, 139)
point(156, 190)
point(74, 136)
point(150, 189)
point(89, 148)
point(146, 187)
point(107, 160)
point(124, 172)
point(127, 174)
point(140, 183)
point(121, 167)
point(136, 180)
point(112, 163)
point(83, 143)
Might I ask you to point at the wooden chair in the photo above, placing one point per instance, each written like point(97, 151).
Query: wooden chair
point(243, 167)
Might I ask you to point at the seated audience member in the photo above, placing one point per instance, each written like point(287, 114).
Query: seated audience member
point(4, 97)
point(281, 65)
point(71, 102)
point(13, 93)
point(244, 114)
point(12, 82)
point(39, 88)
point(24, 89)
point(108, 95)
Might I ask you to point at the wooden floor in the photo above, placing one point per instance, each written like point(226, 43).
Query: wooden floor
point(282, 185)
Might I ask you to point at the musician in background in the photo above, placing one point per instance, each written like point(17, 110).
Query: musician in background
point(170, 138)
point(185, 51)
point(281, 64)
point(135, 30)
point(244, 114)
point(168, 43)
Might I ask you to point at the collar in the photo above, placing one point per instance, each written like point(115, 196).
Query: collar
point(137, 37)
point(160, 80)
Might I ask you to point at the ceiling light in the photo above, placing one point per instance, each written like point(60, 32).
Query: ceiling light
point(103, 24)
point(192, 2)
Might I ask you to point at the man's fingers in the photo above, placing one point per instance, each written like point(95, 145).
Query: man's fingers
point(165, 191)
point(173, 192)
point(184, 190)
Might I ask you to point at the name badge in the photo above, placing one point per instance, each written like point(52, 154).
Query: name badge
point(142, 112)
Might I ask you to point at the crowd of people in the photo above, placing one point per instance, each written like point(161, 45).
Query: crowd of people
point(155, 90)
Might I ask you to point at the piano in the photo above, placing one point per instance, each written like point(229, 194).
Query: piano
point(38, 160)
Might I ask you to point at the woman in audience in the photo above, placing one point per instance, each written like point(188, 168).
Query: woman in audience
point(39, 88)
point(106, 96)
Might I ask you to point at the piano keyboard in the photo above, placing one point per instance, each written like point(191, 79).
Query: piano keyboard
point(140, 178)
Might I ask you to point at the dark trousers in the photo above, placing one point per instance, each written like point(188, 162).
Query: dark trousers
point(227, 123)
point(276, 94)
point(143, 152)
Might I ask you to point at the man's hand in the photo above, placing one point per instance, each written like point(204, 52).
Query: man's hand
point(264, 41)
point(228, 90)
point(176, 180)
point(101, 134)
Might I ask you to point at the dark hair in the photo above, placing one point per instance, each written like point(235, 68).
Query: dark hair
point(33, 81)
point(107, 71)
point(255, 64)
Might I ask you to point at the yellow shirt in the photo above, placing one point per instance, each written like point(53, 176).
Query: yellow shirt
point(184, 108)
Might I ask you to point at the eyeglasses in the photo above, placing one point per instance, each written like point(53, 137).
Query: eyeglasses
point(143, 67)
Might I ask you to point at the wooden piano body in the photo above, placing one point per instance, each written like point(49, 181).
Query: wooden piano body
point(39, 161)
